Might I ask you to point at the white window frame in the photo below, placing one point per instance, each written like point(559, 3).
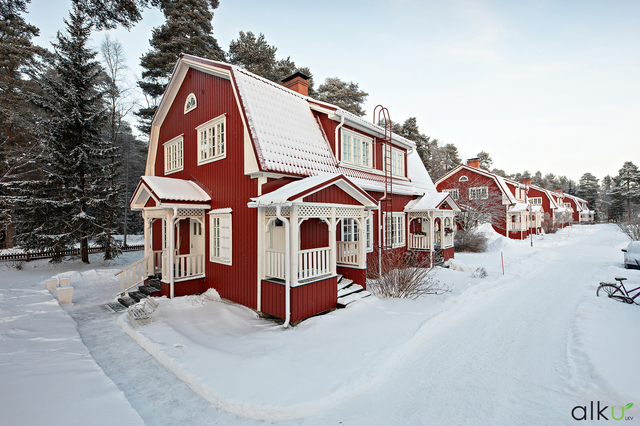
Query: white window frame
point(397, 162)
point(479, 193)
point(368, 232)
point(356, 149)
point(567, 206)
point(463, 179)
point(174, 155)
point(212, 140)
point(455, 194)
point(535, 201)
point(349, 230)
point(187, 106)
point(398, 229)
point(220, 236)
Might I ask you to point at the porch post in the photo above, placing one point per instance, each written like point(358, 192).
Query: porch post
point(361, 241)
point(294, 244)
point(333, 246)
point(261, 252)
point(171, 247)
point(431, 251)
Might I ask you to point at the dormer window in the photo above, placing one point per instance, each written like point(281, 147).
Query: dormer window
point(356, 149)
point(463, 179)
point(190, 103)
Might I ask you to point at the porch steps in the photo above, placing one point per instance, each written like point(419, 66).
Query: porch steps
point(344, 282)
point(354, 288)
point(344, 301)
point(348, 292)
point(152, 288)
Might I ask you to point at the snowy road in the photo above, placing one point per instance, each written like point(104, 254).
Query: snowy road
point(520, 349)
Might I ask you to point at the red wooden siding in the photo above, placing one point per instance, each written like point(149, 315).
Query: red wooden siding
point(184, 288)
point(273, 184)
point(306, 300)
point(331, 195)
point(225, 178)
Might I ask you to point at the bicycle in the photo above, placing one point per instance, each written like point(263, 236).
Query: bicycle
point(618, 292)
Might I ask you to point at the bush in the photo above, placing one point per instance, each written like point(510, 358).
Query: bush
point(480, 273)
point(470, 241)
point(405, 276)
point(548, 226)
point(631, 228)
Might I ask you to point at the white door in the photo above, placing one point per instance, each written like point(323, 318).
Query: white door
point(197, 237)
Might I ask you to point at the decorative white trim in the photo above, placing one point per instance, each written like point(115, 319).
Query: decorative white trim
point(212, 140)
point(463, 179)
point(189, 105)
point(174, 155)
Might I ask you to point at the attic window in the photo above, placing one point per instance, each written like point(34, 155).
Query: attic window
point(463, 179)
point(190, 103)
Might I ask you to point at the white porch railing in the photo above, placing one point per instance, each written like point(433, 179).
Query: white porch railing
point(348, 252)
point(517, 226)
point(156, 258)
point(135, 273)
point(313, 263)
point(275, 264)
point(185, 266)
point(418, 242)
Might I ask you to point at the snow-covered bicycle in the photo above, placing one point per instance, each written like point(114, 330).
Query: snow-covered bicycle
point(618, 292)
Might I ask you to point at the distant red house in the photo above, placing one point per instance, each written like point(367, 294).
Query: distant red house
point(268, 196)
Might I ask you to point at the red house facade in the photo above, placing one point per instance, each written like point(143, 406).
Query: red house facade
point(269, 196)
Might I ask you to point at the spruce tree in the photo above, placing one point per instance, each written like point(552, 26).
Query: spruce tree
point(347, 96)
point(68, 202)
point(187, 30)
point(588, 189)
point(626, 188)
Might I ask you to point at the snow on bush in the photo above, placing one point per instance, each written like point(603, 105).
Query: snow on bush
point(472, 241)
point(631, 228)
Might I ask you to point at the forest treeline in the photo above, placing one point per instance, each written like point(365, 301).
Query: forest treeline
point(70, 159)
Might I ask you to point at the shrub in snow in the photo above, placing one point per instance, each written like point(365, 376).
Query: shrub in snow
point(631, 228)
point(480, 273)
point(471, 241)
point(548, 227)
point(405, 275)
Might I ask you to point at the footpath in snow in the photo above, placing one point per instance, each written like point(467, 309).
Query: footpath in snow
point(48, 376)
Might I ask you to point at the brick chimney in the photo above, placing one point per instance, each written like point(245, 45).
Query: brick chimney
point(559, 190)
point(297, 82)
point(526, 181)
point(474, 162)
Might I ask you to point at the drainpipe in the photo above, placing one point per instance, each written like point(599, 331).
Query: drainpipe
point(172, 250)
point(287, 267)
point(336, 139)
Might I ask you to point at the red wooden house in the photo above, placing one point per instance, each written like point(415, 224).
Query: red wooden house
point(580, 209)
point(503, 202)
point(268, 196)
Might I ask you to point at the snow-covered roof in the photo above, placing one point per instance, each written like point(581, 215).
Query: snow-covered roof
point(430, 201)
point(297, 190)
point(498, 179)
point(169, 189)
point(519, 207)
point(536, 208)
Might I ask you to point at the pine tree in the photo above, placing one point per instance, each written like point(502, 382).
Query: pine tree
point(187, 30)
point(424, 144)
point(485, 160)
point(110, 13)
point(347, 96)
point(627, 186)
point(67, 203)
point(588, 189)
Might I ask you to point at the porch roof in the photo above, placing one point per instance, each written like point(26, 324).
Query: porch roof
point(431, 201)
point(297, 190)
point(168, 190)
point(519, 207)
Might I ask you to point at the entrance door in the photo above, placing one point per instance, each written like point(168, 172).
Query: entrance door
point(196, 237)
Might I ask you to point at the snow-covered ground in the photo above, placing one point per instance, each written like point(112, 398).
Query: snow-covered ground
point(520, 348)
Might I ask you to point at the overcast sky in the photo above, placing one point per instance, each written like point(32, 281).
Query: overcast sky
point(541, 85)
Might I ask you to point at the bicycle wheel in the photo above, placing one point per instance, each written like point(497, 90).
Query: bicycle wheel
point(608, 290)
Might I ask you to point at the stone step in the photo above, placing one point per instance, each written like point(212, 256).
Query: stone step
point(155, 283)
point(346, 282)
point(136, 295)
point(354, 288)
point(148, 290)
point(344, 301)
point(126, 301)
point(115, 307)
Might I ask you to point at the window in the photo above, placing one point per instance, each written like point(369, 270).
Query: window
point(173, 155)
point(191, 103)
point(479, 193)
point(567, 205)
point(463, 179)
point(453, 192)
point(220, 236)
point(368, 223)
point(397, 162)
point(394, 229)
point(350, 230)
point(356, 149)
point(536, 201)
point(212, 140)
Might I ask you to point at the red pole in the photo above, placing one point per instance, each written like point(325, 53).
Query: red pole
point(502, 258)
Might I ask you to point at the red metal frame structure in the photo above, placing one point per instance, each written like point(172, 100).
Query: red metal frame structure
point(381, 117)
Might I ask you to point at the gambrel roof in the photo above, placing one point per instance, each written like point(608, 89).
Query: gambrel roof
point(499, 180)
point(286, 136)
